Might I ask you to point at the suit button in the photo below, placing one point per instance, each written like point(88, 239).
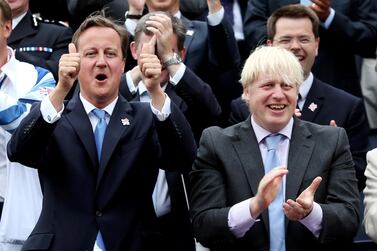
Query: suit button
point(98, 213)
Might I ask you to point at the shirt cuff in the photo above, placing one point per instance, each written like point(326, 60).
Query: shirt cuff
point(215, 18)
point(240, 219)
point(130, 26)
point(313, 221)
point(174, 80)
point(130, 83)
point(165, 111)
point(329, 19)
point(48, 111)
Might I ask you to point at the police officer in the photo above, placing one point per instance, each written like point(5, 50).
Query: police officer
point(36, 41)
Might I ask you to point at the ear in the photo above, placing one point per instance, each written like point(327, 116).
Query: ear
point(133, 50)
point(269, 42)
point(182, 53)
point(317, 46)
point(7, 29)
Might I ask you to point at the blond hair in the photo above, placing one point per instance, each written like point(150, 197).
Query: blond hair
point(276, 62)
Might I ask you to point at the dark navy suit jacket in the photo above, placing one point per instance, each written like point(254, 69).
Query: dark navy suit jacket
point(352, 31)
point(331, 103)
point(82, 196)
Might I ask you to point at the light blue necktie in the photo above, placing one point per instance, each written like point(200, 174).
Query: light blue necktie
point(99, 134)
point(275, 209)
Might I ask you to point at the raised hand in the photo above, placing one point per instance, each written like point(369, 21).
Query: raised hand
point(299, 209)
point(267, 190)
point(160, 25)
point(150, 68)
point(69, 67)
point(136, 7)
point(321, 8)
point(213, 6)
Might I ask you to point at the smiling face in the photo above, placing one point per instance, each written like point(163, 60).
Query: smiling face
point(102, 65)
point(271, 101)
point(296, 35)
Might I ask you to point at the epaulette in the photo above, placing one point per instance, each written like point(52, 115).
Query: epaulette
point(37, 19)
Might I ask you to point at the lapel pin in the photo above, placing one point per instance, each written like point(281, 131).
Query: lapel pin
point(190, 32)
point(125, 122)
point(313, 107)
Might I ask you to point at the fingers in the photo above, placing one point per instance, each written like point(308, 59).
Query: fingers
point(72, 48)
point(333, 123)
point(149, 48)
point(314, 185)
point(294, 210)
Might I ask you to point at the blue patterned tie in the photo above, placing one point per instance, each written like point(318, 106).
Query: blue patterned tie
point(99, 134)
point(275, 209)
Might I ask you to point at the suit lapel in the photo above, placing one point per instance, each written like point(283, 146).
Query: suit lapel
point(300, 151)
point(23, 29)
point(314, 102)
point(77, 117)
point(190, 33)
point(250, 157)
point(116, 129)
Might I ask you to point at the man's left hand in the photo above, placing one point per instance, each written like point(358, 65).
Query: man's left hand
point(299, 209)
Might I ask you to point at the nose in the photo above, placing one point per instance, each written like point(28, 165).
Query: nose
point(295, 44)
point(278, 92)
point(101, 59)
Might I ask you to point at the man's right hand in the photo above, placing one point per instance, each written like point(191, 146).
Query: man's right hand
point(267, 190)
point(136, 7)
point(69, 67)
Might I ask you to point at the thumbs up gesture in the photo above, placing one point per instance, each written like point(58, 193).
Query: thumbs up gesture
point(150, 67)
point(69, 67)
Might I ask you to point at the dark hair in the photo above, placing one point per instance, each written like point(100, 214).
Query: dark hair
point(178, 28)
point(294, 11)
point(97, 19)
point(6, 12)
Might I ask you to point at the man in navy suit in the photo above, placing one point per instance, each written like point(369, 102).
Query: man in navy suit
point(37, 41)
point(348, 28)
point(100, 199)
point(295, 27)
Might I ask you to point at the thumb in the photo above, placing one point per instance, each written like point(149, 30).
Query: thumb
point(72, 48)
point(315, 184)
point(149, 47)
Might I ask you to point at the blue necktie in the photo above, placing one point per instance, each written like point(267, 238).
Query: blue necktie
point(275, 209)
point(99, 134)
point(228, 9)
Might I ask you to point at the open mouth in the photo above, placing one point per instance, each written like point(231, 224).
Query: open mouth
point(277, 107)
point(101, 77)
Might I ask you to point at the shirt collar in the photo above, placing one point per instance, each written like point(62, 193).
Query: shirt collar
point(89, 107)
point(10, 67)
point(17, 20)
point(261, 133)
point(305, 86)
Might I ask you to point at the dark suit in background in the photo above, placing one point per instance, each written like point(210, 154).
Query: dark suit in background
point(229, 167)
point(82, 196)
point(40, 43)
point(330, 104)
point(196, 100)
point(352, 31)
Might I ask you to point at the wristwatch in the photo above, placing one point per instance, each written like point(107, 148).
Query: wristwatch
point(132, 16)
point(176, 59)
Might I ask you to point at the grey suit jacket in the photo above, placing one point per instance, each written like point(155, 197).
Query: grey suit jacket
point(229, 167)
